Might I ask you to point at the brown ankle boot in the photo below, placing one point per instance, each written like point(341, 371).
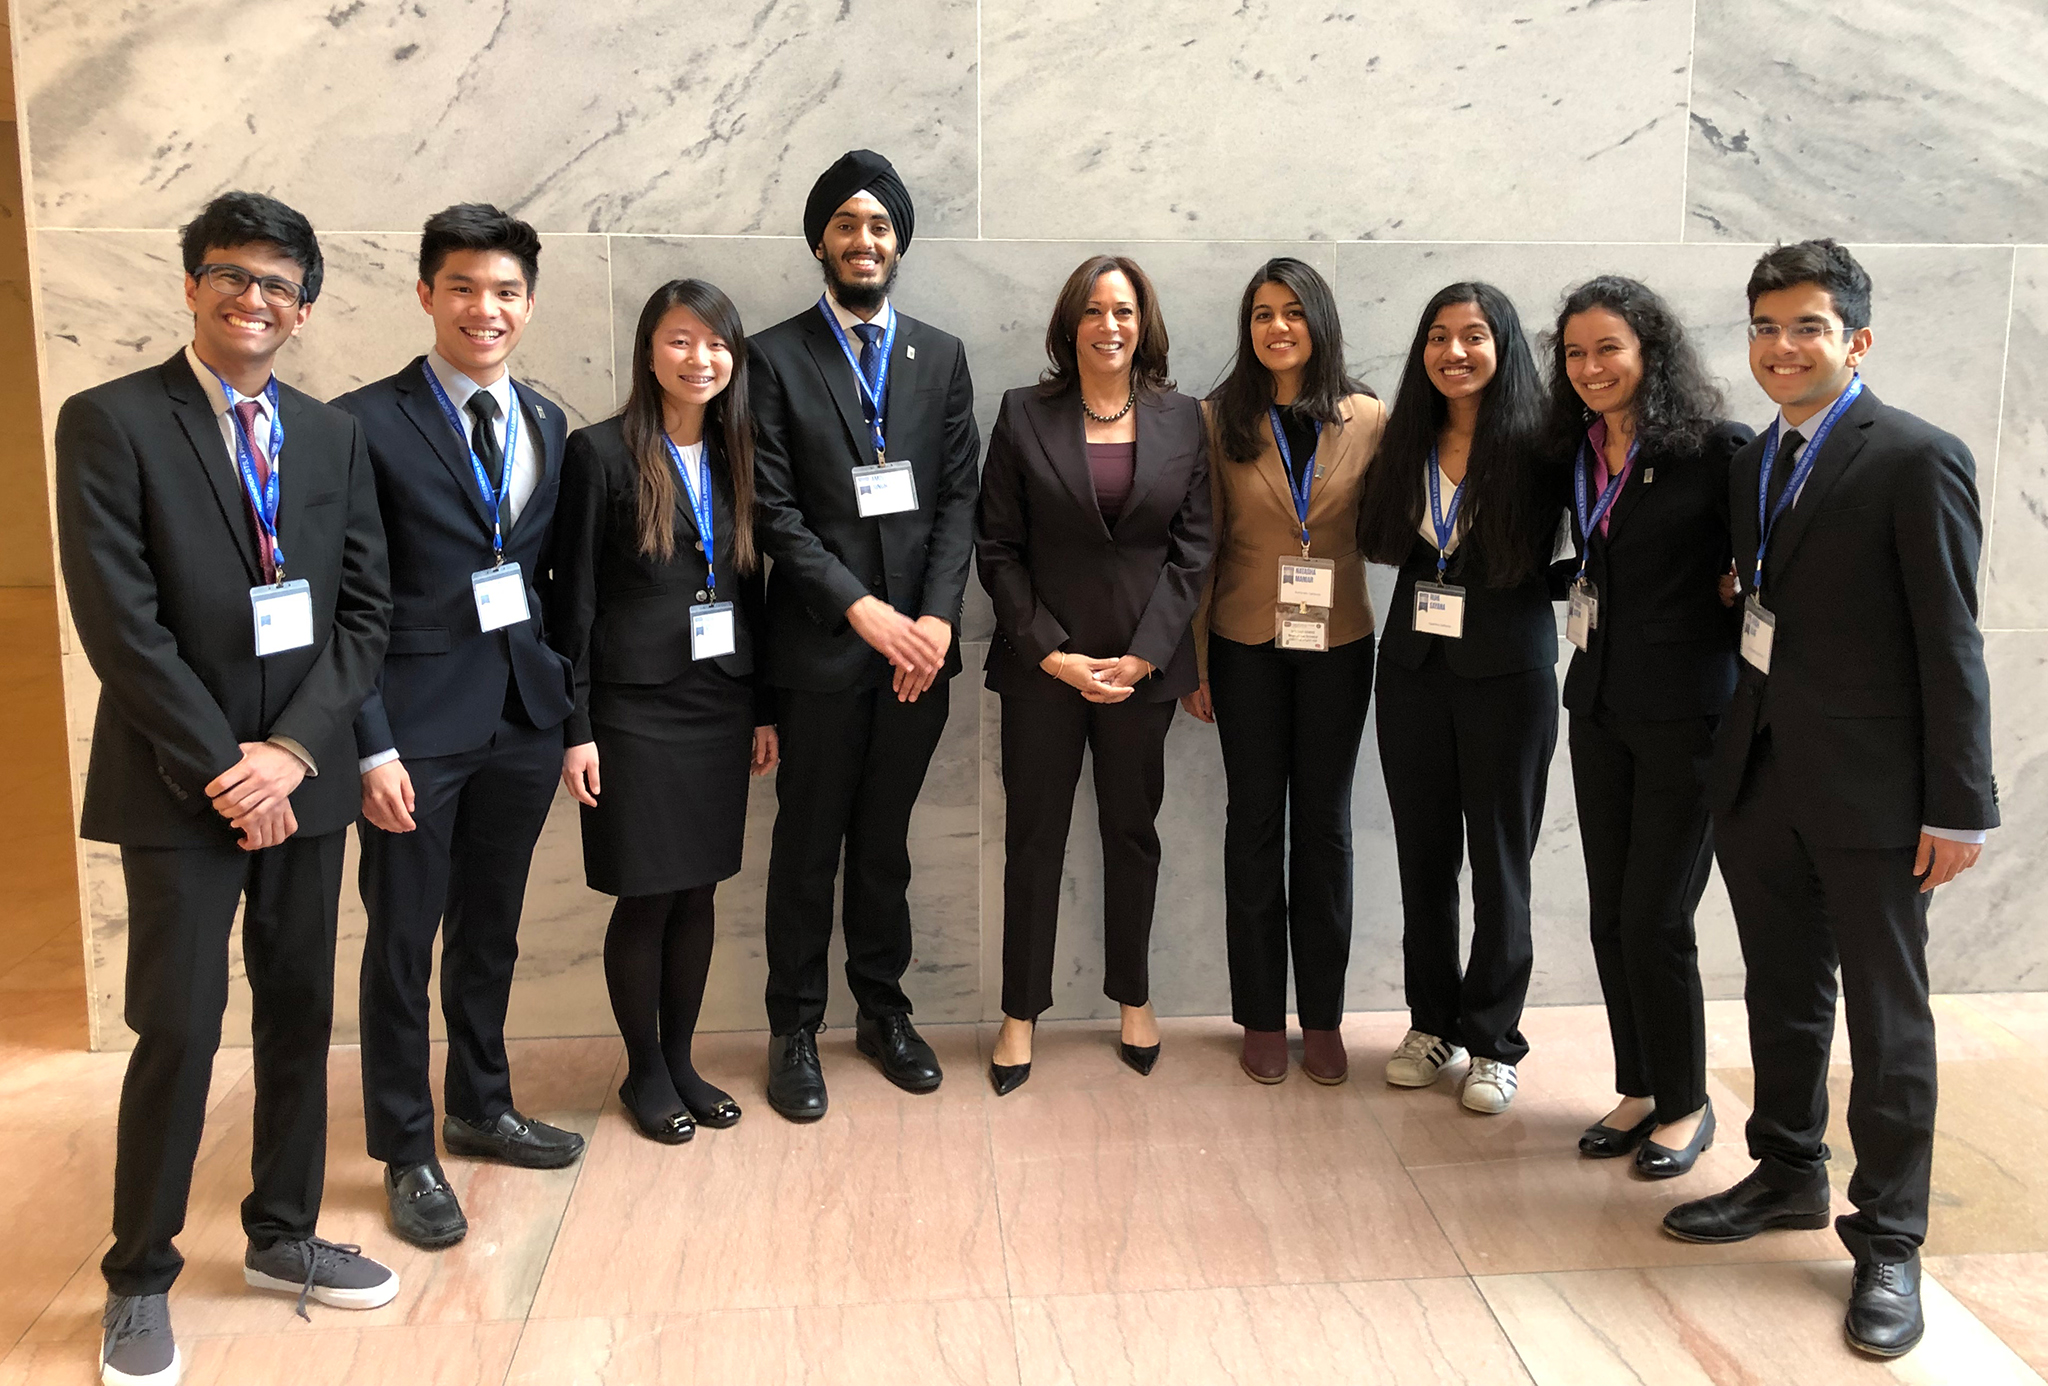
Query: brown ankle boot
point(1322, 1056)
point(1264, 1059)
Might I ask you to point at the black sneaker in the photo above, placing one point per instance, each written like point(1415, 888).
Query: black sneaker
point(337, 1275)
point(137, 1349)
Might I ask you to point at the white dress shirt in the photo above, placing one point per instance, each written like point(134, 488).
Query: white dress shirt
point(1446, 488)
point(525, 461)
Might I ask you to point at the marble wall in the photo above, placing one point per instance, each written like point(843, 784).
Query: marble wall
point(1533, 143)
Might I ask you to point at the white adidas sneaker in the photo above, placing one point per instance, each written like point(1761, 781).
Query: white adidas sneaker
point(1489, 1086)
point(1419, 1059)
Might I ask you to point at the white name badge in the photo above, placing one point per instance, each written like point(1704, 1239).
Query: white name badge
point(887, 488)
point(1308, 582)
point(1440, 610)
point(284, 616)
point(1759, 630)
point(1583, 614)
point(1302, 630)
point(500, 594)
point(711, 631)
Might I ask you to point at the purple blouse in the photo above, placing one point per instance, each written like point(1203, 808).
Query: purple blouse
point(1110, 467)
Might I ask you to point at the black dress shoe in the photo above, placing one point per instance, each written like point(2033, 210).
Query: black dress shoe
point(720, 1114)
point(1884, 1308)
point(796, 1080)
point(424, 1210)
point(1750, 1207)
point(893, 1042)
point(670, 1128)
point(1654, 1161)
point(515, 1139)
point(1138, 1057)
point(1007, 1078)
point(1602, 1142)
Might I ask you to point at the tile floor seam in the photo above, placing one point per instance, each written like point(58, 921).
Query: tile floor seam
point(995, 1187)
point(1407, 1173)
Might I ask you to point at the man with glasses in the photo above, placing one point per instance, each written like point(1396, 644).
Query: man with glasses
point(1851, 775)
point(224, 560)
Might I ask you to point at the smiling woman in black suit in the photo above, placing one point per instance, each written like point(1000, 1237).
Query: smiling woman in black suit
point(657, 602)
point(1093, 541)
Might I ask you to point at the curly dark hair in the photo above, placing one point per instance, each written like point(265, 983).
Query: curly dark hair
point(1676, 405)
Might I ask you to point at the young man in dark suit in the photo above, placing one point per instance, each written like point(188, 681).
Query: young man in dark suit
point(460, 741)
point(1851, 775)
point(865, 475)
point(221, 549)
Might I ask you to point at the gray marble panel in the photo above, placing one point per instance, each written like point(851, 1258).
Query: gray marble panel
point(1890, 120)
point(635, 117)
point(2017, 498)
point(1354, 121)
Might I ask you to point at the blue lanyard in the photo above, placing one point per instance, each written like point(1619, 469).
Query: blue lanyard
point(700, 506)
point(1299, 489)
point(874, 393)
point(494, 496)
point(262, 499)
point(1765, 523)
point(1444, 524)
point(1590, 520)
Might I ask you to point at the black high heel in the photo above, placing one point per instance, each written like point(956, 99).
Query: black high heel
point(1654, 1161)
point(672, 1129)
point(1007, 1078)
point(1140, 1059)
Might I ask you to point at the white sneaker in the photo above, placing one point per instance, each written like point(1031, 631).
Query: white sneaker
point(1420, 1059)
point(1489, 1086)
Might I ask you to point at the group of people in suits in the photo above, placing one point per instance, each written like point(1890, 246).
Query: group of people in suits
point(448, 602)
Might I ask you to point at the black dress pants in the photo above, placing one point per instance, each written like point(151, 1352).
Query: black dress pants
point(1466, 755)
point(1289, 722)
point(461, 870)
point(1043, 738)
point(1643, 826)
point(1802, 910)
point(181, 909)
point(853, 763)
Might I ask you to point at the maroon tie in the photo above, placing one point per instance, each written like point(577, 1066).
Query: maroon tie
point(245, 410)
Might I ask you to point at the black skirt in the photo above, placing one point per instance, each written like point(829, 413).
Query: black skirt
point(672, 765)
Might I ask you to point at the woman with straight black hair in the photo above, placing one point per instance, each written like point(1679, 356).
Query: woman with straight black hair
point(1284, 636)
point(1635, 431)
point(1467, 716)
point(656, 601)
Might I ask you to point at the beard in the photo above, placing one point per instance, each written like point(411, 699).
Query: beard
point(861, 298)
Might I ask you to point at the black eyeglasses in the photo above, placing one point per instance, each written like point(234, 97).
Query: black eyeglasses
point(232, 281)
point(1803, 332)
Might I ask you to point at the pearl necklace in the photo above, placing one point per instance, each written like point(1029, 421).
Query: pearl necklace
point(1110, 418)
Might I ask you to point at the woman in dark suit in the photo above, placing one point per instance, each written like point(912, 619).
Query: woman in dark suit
point(1287, 684)
point(1467, 715)
point(1092, 539)
point(1634, 426)
point(668, 721)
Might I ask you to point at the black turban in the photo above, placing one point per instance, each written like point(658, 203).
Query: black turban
point(859, 170)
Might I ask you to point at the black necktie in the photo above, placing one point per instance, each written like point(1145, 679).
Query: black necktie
point(870, 359)
point(484, 438)
point(1781, 472)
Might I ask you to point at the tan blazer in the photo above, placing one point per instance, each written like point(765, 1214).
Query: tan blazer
point(1256, 527)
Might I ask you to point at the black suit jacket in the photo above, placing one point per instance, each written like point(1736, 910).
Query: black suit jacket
point(1664, 647)
point(159, 553)
point(1508, 630)
point(809, 436)
point(442, 688)
point(1061, 578)
point(619, 616)
point(1877, 702)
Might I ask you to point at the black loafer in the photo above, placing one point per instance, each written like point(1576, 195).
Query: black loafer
point(796, 1080)
point(1750, 1207)
point(424, 1210)
point(1654, 1161)
point(515, 1139)
point(1884, 1316)
point(1602, 1142)
point(894, 1044)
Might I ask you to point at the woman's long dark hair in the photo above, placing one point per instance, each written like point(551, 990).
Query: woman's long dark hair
point(1676, 405)
point(1508, 522)
point(1247, 391)
point(728, 423)
point(1148, 356)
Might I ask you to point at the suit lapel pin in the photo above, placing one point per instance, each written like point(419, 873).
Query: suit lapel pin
point(1649, 475)
point(910, 352)
point(540, 411)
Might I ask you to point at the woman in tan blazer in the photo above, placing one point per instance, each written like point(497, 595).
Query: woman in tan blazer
point(1284, 636)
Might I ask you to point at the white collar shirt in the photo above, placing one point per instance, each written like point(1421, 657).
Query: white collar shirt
point(524, 476)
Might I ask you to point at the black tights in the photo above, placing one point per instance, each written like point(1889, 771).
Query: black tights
point(657, 951)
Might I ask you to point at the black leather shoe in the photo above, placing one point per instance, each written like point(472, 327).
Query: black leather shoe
point(720, 1114)
point(515, 1139)
point(796, 1080)
point(1654, 1161)
point(1138, 1057)
point(1884, 1308)
point(669, 1128)
point(1750, 1207)
point(893, 1042)
point(1602, 1142)
point(424, 1210)
point(1007, 1078)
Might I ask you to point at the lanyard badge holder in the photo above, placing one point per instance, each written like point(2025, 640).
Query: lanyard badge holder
point(280, 611)
point(1759, 624)
point(885, 488)
point(499, 590)
point(1583, 614)
point(1440, 607)
point(712, 632)
point(1308, 586)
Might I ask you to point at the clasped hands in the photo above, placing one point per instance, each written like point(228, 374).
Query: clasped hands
point(254, 794)
point(917, 648)
point(1097, 680)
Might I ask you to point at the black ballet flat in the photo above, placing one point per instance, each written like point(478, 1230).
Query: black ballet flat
point(1654, 1161)
point(1602, 1142)
point(673, 1129)
point(1138, 1058)
point(719, 1115)
point(1007, 1078)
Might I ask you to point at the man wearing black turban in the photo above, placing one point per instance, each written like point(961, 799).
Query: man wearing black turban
point(865, 479)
